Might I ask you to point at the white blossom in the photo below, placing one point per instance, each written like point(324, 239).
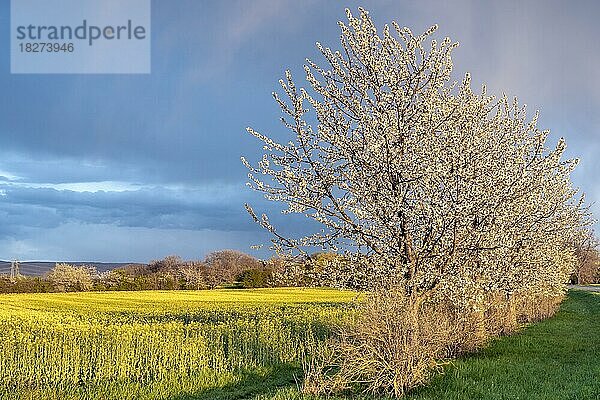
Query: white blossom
point(421, 181)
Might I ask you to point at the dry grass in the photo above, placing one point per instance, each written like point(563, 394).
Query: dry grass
point(397, 343)
point(536, 308)
point(393, 346)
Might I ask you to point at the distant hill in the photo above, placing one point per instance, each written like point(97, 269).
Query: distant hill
point(37, 268)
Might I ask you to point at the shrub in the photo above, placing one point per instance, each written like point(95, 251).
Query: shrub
point(397, 343)
point(24, 284)
point(69, 278)
point(536, 307)
point(392, 347)
point(256, 278)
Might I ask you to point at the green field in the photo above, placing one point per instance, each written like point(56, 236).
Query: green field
point(247, 344)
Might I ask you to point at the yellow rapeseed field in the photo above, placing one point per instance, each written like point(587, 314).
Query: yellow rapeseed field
point(66, 340)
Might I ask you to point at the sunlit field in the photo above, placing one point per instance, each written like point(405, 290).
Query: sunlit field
point(159, 344)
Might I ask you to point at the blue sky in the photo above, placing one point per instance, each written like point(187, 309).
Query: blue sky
point(135, 167)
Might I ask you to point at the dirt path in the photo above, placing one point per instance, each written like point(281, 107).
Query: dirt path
point(588, 288)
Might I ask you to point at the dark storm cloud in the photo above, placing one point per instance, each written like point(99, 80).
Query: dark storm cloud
point(155, 207)
point(18, 218)
point(57, 170)
point(216, 209)
point(215, 65)
point(173, 138)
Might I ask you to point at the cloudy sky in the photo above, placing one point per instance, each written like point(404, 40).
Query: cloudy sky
point(135, 167)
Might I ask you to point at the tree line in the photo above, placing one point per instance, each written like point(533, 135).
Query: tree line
point(235, 269)
point(221, 268)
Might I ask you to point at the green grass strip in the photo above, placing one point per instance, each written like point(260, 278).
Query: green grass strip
point(554, 359)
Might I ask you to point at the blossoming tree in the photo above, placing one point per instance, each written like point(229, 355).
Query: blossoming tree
point(417, 179)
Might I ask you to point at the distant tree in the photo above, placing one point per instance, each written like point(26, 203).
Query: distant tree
point(225, 266)
point(69, 278)
point(170, 263)
point(194, 275)
point(109, 280)
point(335, 270)
point(169, 273)
point(291, 272)
point(133, 269)
point(587, 269)
point(166, 280)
